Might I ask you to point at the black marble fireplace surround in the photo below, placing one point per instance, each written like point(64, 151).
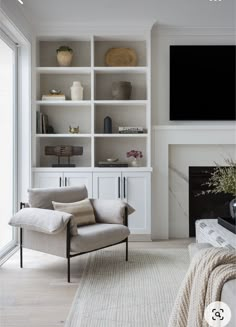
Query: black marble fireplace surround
point(204, 206)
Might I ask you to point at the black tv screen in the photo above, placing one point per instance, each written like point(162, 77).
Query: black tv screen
point(202, 82)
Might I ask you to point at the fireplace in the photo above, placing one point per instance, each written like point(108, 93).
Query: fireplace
point(206, 206)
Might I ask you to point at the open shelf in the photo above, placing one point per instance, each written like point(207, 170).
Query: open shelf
point(63, 70)
point(48, 49)
point(88, 66)
point(80, 161)
point(64, 82)
point(103, 85)
point(102, 45)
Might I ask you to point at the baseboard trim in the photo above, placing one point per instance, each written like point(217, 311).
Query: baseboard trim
point(140, 238)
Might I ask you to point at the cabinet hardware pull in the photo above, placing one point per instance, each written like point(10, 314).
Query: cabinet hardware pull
point(65, 181)
point(119, 187)
point(124, 187)
point(60, 182)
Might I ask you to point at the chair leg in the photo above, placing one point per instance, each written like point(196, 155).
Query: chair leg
point(68, 269)
point(126, 252)
point(21, 249)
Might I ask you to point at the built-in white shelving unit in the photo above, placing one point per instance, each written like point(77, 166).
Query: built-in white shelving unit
point(133, 184)
point(88, 67)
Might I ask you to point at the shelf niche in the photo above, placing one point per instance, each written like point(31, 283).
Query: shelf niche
point(133, 116)
point(102, 46)
point(118, 147)
point(47, 54)
point(79, 161)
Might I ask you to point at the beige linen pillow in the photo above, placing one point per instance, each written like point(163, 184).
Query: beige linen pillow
point(82, 211)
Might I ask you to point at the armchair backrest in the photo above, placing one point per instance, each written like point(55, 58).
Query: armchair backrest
point(43, 197)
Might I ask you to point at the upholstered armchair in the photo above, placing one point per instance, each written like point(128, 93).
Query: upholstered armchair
point(56, 232)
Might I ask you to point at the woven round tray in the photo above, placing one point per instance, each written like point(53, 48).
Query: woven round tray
point(121, 57)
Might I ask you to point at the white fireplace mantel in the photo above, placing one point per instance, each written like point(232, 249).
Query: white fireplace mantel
point(163, 138)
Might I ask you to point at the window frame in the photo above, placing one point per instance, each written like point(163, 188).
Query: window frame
point(6, 249)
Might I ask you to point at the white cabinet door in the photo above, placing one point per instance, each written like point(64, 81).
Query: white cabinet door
point(106, 185)
point(136, 191)
point(76, 179)
point(52, 179)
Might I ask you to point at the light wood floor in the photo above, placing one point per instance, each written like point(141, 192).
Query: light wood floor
point(38, 295)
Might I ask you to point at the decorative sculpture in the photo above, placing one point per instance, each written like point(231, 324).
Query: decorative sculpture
point(63, 151)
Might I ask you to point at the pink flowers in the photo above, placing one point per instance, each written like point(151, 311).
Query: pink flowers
point(134, 153)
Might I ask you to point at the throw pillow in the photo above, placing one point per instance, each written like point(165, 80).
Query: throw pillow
point(82, 211)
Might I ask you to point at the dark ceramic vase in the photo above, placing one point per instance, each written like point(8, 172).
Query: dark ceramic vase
point(107, 125)
point(121, 90)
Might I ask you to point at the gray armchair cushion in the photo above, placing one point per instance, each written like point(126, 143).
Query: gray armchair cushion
point(96, 236)
point(41, 220)
point(110, 211)
point(43, 197)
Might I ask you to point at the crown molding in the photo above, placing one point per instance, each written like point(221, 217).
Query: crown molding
point(166, 30)
point(75, 29)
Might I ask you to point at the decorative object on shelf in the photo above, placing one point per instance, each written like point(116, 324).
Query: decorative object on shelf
point(112, 164)
point(107, 125)
point(112, 159)
point(55, 91)
point(63, 151)
point(223, 180)
point(77, 91)
point(136, 155)
point(42, 125)
point(121, 90)
point(130, 130)
point(74, 130)
point(121, 57)
point(64, 56)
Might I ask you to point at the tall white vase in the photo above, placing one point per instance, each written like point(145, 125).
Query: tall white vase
point(77, 91)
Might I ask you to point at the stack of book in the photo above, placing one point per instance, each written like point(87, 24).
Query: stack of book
point(112, 164)
point(41, 123)
point(130, 130)
point(53, 97)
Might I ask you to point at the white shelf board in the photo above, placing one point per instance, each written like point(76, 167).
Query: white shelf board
point(141, 135)
point(62, 135)
point(126, 69)
point(63, 103)
point(122, 102)
point(63, 70)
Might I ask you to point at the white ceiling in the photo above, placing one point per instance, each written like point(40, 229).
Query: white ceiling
point(191, 13)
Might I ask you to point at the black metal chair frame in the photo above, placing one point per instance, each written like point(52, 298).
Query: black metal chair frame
point(68, 240)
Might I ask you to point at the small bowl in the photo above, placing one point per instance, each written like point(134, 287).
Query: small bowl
point(112, 159)
point(54, 91)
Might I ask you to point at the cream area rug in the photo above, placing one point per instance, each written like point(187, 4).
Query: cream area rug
point(137, 293)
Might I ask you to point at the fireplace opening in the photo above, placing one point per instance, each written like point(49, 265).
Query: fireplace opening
point(206, 206)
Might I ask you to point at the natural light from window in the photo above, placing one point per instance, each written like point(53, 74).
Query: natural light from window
point(6, 141)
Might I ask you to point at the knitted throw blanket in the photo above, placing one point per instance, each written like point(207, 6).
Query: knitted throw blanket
point(208, 271)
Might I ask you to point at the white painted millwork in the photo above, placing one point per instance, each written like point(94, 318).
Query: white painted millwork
point(132, 187)
point(88, 67)
point(59, 179)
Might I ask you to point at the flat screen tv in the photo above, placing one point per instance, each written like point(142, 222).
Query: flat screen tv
point(202, 82)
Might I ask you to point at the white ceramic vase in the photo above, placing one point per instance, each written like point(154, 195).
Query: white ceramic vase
point(77, 91)
point(134, 163)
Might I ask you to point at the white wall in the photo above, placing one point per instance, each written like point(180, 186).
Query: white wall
point(162, 38)
point(176, 145)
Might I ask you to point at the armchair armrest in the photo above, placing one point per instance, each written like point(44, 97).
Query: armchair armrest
point(111, 211)
point(41, 220)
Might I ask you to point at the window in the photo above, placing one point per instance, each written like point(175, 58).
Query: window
point(8, 144)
